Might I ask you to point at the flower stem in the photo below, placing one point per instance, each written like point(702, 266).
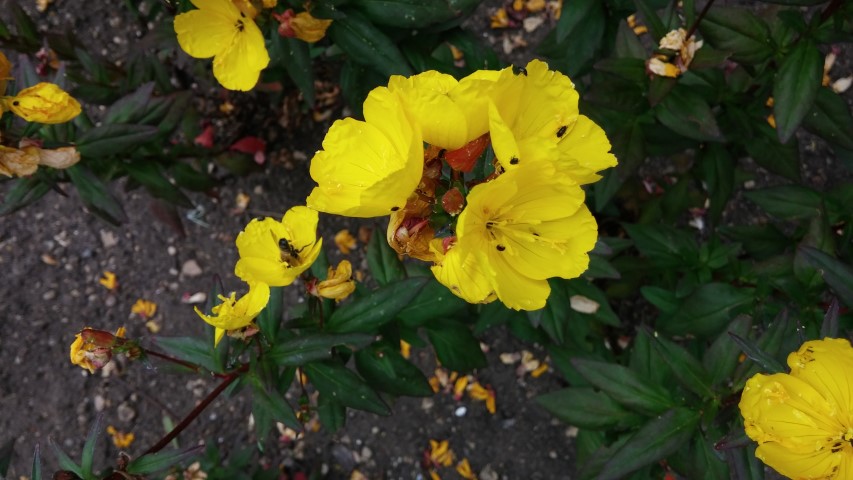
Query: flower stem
point(226, 381)
point(698, 20)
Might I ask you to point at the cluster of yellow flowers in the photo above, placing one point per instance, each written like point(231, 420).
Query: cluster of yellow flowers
point(226, 30)
point(500, 237)
point(43, 103)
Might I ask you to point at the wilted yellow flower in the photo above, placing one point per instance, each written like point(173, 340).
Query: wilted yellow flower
point(92, 349)
point(369, 168)
point(534, 117)
point(144, 308)
point(500, 19)
point(345, 241)
point(5, 75)
point(517, 231)
point(440, 453)
point(309, 29)
point(486, 394)
point(464, 470)
point(277, 252)
point(220, 30)
point(25, 160)
point(233, 314)
point(338, 284)
point(405, 349)
point(109, 280)
point(684, 48)
point(659, 66)
point(803, 421)
point(120, 439)
point(43, 103)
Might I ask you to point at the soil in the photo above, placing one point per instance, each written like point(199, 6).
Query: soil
point(54, 253)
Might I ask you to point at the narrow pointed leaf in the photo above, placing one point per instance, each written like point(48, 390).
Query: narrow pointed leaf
point(759, 356)
point(301, 350)
point(384, 264)
point(688, 371)
point(156, 462)
point(835, 273)
point(586, 408)
point(342, 384)
point(795, 87)
point(368, 313)
point(624, 385)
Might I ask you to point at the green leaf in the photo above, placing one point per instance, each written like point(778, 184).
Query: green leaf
point(155, 462)
point(294, 55)
point(194, 350)
point(830, 119)
point(188, 177)
point(554, 318)
point(584, 288)
point(95, 195)
point(658, 439)
point(88, 456)
point(760, 241)
point(433, 302)
point(114, 139)
point(587, 408)
point(385, 369)
point(721, 358)
point(805, 3)
point(455, 346)
point(795, 87)
point(708, 309)
point(739, 31)
point(334, 379)
point(333, 414)
point(835, 273)
point(665, 246)
point(624, 386)
point(687, 113)
point(718, 171)
point(25, 26)
point(368, 313)
point(384, 263)
point(687, 369)
point(366, 44)
point(269, 320)
point(130, 108)
point(266, 397)
point(301, 350)
point(147, 173)
point(410, 13)
point(665, 300)
point(6, 453)
point(23, 192)
point(656, 26)
point(36, 469)
point(629, 148)
point(65, 462)
point(757, 355)
point(764, 147)
point(576, 16)
point(787, 202)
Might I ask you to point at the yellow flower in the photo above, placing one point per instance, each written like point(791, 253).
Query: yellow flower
point(534, 118)
point(120, 439)
point(338, 284)
point(517, 231)
point(233, 314)
point(220, 30)
point(345, 241)
point(369, 168)
point(450, 112)
point(43, 103)
point(144, 308)
point(309, 29)
point(684, 48)
point(277, 252)
point(109, 280)
point(5, 74)
point(803, 421)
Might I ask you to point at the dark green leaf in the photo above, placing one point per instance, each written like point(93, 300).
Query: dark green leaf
point(65, 462)
point(333, 414)
point(658, 439)
point(739, 31)
point(383, 261)
point(687, 113)
point(659, 88)
point(722, 356)
point(130, 108)
point(688, 371)
point(665, 246)
point(409, 13)
point(385, 369)
point(830, 119)
point(36, 469)
point(301, 350)
point(25, 26)
point(629, 148)
point(575, 17)
point(624, 386)
point(366, 44)
point(455, 346)
point(835, 273)
point(829, 327)
point(155, 462)
point(269, 320)
point(335, 380)
point(192, 349)
point(788, 202)
point(23, 192)
point(765, 149)
point(795, 87)
point(274, 404)
point(665, 300)
point(188, 177)
point(604, 315)
point(6, 453)
point(718, 171)
point(587, 408)
point(806, 3)
point(296, 59)
point(656, 26)
point(433, 302)
point(600, 267)
point(95, 195)
point(760, 241)
point(114, 139)
point(708, 309)
point(554, 318)
point(757, 355)
point(88, 456)
point(368, 313)
point(147, 173)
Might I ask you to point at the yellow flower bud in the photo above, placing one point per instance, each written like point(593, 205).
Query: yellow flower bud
point(308, 28)
point(338, 284)
point(44, 103)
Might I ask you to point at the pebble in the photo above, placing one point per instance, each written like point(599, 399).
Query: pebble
point(171, 250)
point(100, 403)
point(125, 412)
point(427, 403)
point(49, 295)
point(488, 473)
point(190, 268)
point(108, 239)
point(460, 411)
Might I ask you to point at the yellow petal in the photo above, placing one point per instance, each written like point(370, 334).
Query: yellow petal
point(826, 365)
point(44, 103)
point(239, 65)
point(309, 29)
point(465, 273)
point(208, 31)
point(232, 313)
point(821, 464)
point(583, 151)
